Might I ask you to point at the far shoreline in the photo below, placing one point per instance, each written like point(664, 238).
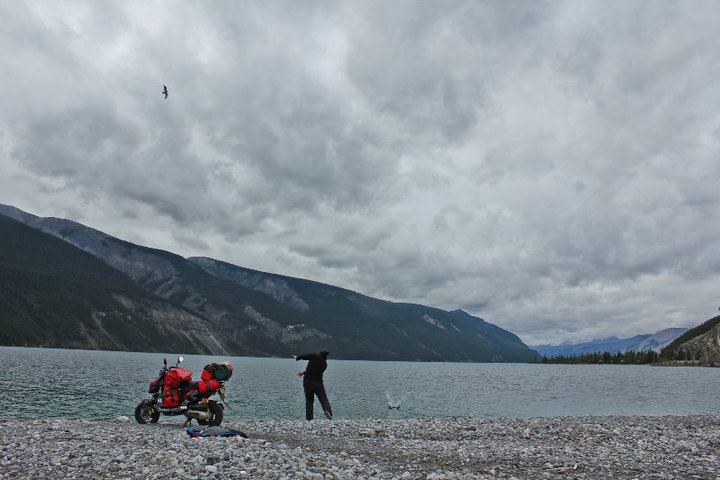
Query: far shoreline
point(169, 356)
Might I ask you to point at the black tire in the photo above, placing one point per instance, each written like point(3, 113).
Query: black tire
point(146, 412)
point(217, 411)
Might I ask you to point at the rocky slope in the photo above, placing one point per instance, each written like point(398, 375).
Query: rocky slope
point(700, 344)
point(55, 295)
point(435, 334)
point(246, 312)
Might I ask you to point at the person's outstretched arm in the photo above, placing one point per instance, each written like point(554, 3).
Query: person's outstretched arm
point(307, 356)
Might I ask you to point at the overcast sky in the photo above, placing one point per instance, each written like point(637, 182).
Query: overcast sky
point(553, 167)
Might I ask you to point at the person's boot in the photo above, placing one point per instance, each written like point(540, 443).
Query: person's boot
point(328, 415)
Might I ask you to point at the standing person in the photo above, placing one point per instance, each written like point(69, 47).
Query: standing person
point(313, 382)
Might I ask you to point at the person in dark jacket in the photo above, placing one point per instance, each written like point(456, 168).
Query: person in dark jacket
point(313, 382)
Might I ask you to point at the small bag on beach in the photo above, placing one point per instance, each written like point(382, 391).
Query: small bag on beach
point(215, 432)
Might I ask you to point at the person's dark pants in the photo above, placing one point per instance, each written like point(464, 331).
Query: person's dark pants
point(312, 388)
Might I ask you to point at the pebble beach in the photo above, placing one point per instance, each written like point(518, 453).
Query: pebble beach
point(665, 447)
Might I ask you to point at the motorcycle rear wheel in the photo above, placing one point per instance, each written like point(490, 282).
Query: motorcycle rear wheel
point(217, 411)
point(146, 412)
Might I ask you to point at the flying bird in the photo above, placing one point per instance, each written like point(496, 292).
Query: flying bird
point(165, 91)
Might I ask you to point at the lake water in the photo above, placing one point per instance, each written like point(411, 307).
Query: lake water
point(42, 383)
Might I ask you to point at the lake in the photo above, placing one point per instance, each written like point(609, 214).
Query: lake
point(42, 383)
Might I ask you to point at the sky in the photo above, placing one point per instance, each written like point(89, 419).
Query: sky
point(552, 167)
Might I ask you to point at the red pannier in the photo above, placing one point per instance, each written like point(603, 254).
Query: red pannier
point(171, 387)
point(217, 371)
point(211, 378)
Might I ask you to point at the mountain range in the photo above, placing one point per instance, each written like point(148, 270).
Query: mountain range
point(63, 284)
point(653, 341)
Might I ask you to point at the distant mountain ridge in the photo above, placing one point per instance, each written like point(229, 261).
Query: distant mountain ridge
point(654, 341)
point(234, 310)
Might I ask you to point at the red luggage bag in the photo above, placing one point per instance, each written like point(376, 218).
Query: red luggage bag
point(171, 387)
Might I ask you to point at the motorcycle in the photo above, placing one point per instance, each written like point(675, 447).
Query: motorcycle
point(174, 393)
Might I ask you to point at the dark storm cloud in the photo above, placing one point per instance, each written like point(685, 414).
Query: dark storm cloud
point(549, 166)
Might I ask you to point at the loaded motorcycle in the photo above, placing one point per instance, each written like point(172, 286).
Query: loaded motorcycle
point(174, 393)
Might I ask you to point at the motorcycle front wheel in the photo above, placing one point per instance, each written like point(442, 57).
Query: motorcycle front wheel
point(146, 412)
point(216, 419)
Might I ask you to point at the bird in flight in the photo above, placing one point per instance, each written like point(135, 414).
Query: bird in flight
point(165, 91)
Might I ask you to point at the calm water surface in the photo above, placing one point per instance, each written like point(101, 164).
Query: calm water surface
point(41, 383)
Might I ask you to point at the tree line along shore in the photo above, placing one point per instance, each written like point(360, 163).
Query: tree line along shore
point(644, 357)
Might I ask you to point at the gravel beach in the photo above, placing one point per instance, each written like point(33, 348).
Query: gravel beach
point(677, 447)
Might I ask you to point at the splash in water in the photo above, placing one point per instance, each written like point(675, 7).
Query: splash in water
point(393, 403)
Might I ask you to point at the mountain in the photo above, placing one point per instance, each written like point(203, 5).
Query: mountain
point(248, 312)
point(701, 343)
point(436, 334)
point(654, 341)
point(55, 295)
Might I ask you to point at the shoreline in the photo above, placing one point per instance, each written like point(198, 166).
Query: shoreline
point(657, 447)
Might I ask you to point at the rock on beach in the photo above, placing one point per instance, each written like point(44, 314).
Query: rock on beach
point(667, 447)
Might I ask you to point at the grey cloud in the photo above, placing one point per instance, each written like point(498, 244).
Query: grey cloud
point(549, 166)
point(415, 65)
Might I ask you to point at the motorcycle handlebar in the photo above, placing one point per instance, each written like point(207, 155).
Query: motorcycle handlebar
point(180, 359)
